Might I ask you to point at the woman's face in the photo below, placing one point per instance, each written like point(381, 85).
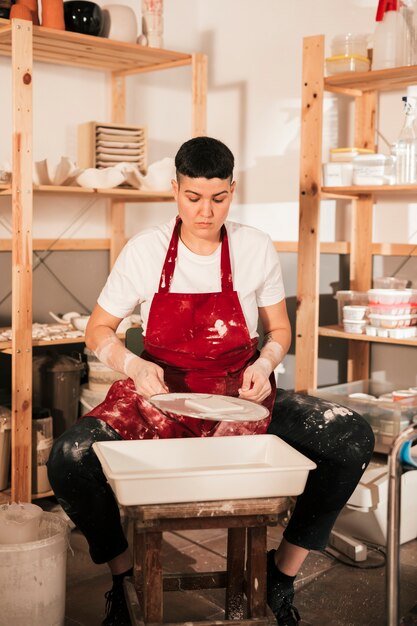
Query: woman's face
point(203, 205)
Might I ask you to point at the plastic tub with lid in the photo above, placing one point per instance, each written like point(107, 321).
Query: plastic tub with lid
point(340, 64)
point(392, 321)
point(373, 169)
point(346, 155)
point(349, 297)
point(353, 312)
point(389, 296)
point(356, 327)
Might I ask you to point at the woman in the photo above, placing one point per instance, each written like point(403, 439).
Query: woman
point(202, 284)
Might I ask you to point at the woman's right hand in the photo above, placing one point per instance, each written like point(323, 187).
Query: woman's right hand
point(147, 376)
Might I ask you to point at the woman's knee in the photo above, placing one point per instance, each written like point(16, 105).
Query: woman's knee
point(68, 456)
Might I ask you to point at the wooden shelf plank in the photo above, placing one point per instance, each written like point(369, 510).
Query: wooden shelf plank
point(378, 80)
point(6, 346)
point(357, 191)
point(98, 53)
point(121, 193)
point(338, 333)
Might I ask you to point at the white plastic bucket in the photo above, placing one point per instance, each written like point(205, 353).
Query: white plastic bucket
point(33, 575)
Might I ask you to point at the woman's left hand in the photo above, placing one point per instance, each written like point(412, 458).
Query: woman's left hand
point(255, 384)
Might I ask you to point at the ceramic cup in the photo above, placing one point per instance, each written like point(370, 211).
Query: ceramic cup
point(119, 23)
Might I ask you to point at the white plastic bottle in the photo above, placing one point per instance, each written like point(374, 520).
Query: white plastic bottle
point(405, 150)
point(388, 36)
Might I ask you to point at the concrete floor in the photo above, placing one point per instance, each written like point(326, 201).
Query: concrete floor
point(327, 591)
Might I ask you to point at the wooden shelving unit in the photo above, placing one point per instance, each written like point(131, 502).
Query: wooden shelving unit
point(25, 43)
point(364, 88)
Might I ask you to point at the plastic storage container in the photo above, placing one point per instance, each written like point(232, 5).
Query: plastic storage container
point(5, 445)
point(349, 297)
point(390, 282)
point(386, 417)
point(357, 327)
point(354, 312)
point(216, 468)
point(341, 64)
point(348, 44)
point(373, 169)
point(33, 575)
point(389, 296)
point(346, 155)
point(365, 514)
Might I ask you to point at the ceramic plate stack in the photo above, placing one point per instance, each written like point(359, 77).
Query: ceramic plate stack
point(103, 145)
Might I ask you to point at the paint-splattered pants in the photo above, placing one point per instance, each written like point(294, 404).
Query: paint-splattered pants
point(339, 441)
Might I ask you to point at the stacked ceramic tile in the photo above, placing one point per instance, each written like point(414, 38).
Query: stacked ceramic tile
point(102, 145)
point(117, 145)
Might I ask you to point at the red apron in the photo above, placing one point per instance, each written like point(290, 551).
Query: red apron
point(202, 342)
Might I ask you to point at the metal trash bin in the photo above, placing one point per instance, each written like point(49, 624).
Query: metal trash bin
point(5, 445)
point(61, 390)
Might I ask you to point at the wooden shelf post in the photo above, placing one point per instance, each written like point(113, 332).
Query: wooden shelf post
point(22, 198)
point(309, 218)
point(361, 234)
point(199, 94)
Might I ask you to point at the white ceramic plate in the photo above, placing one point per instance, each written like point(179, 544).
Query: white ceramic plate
point(210, 407)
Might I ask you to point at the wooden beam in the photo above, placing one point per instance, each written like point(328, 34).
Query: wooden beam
point(22, 199)
point(309, 218)
point(61, 244)
point(117, 231)
point(361, 236)
point(199, 95)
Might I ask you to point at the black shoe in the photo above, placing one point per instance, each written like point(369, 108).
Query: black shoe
point(280, 599)
point(117, 613)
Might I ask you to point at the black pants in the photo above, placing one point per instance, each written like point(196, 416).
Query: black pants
point(339, 441)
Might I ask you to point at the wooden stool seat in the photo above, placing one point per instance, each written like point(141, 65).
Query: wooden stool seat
point(246, 521)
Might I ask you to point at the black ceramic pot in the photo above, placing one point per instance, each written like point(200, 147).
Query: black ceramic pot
point(82, 16)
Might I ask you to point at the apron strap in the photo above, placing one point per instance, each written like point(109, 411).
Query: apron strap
point(168, 268)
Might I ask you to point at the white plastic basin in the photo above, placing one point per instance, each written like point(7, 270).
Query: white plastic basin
point(209, 468)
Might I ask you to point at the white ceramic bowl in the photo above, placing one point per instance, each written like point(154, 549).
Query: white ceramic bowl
point(80, 323)
point(120, 23)
point(48, 172)
point(106, 178)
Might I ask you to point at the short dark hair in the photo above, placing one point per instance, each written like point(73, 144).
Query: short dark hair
point(204, 157)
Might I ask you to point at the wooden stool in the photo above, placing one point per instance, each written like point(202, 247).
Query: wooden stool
point(246, 521)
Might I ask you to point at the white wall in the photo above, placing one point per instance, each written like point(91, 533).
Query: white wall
point(254, 49)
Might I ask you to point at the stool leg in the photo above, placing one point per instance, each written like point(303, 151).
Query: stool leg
point(236, 540)
point(152, 573)
point(256, 584)
point(139, 564)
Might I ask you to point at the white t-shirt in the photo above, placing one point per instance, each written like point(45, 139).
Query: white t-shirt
point(135, 276)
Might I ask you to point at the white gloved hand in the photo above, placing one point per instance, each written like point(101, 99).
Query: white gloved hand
point(255, 384)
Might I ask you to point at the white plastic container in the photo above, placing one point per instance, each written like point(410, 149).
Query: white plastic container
point(387, 48)
point(349, 297)
point(356, 327)
point(392, 321)
point(391, 309)
point(372, 169)
point(365, 514)
point(341, 64)
point(390, 282)
point(348, 44)
point(337, 174)
point(208, 468)
point(354, 312)
point(389, 296)
point(33, 575)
